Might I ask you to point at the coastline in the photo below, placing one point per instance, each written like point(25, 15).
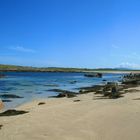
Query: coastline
point(86, 119)
point(16, 68)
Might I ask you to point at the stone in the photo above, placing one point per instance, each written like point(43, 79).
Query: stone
point(98, 75)
point(10, 96)
point(64, 93)
point(76, 100)
point(1, 126)
point(41, 103)
point(12, 112)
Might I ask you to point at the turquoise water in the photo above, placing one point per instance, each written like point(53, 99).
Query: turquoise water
point(35, 85)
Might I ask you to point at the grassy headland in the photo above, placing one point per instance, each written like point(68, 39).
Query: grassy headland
point(15, 68)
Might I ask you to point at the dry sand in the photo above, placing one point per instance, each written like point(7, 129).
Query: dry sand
point(64, 119)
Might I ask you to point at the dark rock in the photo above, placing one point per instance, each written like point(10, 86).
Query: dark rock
point(131, 78)
point(13, 112)
point(98, 75)
point(6, 100)
point(104, 80)
point(111, 90)
point(10, 96)
point(1, 126)
point(132, 82)
point(68, 95)
point(41, 103)
point(111, 83)
point(114, 92)
point(64, 93)
point(76, 100)
point(60, 95)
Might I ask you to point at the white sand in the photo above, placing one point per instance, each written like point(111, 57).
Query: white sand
point(63, 119)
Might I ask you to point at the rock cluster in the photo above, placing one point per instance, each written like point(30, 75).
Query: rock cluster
point(98, 75)
point(131, 78)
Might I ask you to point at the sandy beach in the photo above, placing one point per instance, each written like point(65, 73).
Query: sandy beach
point(88, 118)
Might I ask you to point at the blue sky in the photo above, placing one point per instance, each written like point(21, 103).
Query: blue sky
point(70, 33)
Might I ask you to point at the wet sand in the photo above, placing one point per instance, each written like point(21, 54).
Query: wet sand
point(86, 117)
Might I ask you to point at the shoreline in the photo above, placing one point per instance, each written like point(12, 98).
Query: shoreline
point(84, 117)
point(92, 71)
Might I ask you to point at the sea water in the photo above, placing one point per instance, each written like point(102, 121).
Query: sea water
point(36, 85)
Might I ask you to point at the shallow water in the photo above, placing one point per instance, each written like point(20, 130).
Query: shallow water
point(35, 85)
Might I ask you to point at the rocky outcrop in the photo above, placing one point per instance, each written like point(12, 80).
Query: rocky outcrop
point(41, 103)
point(1, 126)
point(64, 93)
point(98, 75)
point(132, 78)
point(110, 90)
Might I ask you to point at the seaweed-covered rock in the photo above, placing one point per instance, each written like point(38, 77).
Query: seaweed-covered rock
point(68, 95)
point(132, 78)
point(64, 93)
point(10, 96)
point(98, 75)
point(76, 100)
point(13, 112)
point(1, 126)
point(111, 90)
point(41, 103)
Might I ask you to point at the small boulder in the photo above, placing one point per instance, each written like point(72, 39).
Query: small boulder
point(41, 103)
point(13, 112)
point(76, 100)
point(1, 126)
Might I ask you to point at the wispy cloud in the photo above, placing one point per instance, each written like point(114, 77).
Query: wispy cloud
point(22, 49)
point(129, 65)
point(127, 56)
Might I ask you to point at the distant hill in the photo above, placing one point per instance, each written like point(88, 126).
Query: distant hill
point(57, 69)
point(43, 69)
